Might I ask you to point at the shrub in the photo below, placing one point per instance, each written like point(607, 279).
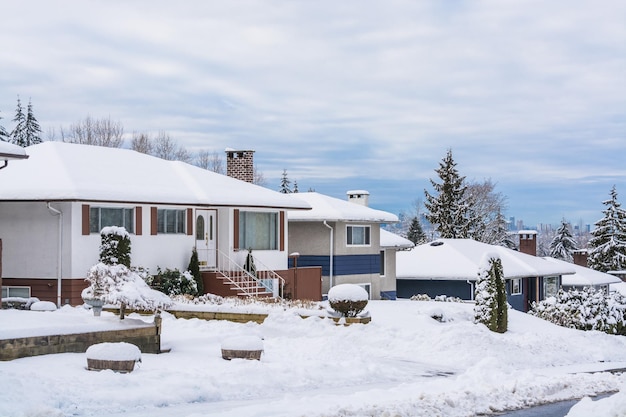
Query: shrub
point(173, 282)
point(347, 299)
point(490, 295)
point(586, 309)
point(115, 246)
point(194, 269)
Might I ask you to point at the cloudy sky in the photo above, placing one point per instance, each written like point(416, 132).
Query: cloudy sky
point(355, 94)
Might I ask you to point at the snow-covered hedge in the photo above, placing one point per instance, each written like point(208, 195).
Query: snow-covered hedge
point(586, 309)
point(348, 299)
point(173, 282)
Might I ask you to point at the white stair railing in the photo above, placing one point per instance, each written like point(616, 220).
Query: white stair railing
point(245, 282)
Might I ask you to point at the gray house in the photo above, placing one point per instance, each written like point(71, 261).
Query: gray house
point(345, 238)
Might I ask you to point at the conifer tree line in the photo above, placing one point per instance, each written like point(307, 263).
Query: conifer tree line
point(26, 130)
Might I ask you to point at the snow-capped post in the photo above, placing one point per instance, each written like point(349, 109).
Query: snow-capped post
point(348, 299)
point(490, 295)
point(113, 282)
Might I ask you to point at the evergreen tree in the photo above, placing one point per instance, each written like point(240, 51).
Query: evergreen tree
point(563, 244)
point(285, 184)
point(295, 186)
point(32, 128)
point(4, 135)
point(490, 295)
point(416, 233)
point(448, 208)
point(194, 269)
point(18, 134)
point(608, 242)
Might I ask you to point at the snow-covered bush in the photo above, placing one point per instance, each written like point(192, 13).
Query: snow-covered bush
point(490, 295)
point(348, 299)
point(115, 246)
point(586, 309)
point(118, 285)
point(442, 297)
point(173, 282)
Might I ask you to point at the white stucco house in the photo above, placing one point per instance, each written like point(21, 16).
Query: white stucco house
point(54, 204)
point(345, 238)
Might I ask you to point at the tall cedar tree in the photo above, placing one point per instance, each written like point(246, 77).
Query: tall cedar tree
point(32, 128)
point(448, 209)
point(608, 244)
point(416, 232)
point(490, 295)
point(18, 134)
point(563, 244)
point(285, 184)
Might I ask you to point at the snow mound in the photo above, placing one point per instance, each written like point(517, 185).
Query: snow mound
point(43, 306)
point(243, 343)
point(347, 292)
point(121, 351)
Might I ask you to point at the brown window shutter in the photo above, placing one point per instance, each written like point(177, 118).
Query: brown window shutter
point(153, 221)
point(282, 231)
point(189, 221)
point(85, 219)
point(138, 221)
point(236, 229)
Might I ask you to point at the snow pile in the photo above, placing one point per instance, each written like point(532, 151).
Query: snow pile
point(243, 343)
point(402, 364)
point(121, 351)
point(43, 306)
point(613, 406)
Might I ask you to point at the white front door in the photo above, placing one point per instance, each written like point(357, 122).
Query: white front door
point(205, 237)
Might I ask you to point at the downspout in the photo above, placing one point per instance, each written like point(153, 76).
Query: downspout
point(471, 289)
point(60, 251)
point(331, 253)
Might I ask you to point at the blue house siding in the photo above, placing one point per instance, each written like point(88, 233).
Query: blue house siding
point(342, 265)
point(406, 288)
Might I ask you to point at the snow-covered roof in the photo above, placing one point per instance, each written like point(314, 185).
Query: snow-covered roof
point(459, 259)
point(583, 276)
point(333, 209)
point(64, 171)
point(10, 151)
point(392, 240)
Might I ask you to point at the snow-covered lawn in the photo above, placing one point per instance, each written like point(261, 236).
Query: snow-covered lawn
point(404, 363)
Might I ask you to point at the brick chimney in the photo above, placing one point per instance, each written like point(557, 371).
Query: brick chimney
point(359, 197)
point(240, 165)
point(528, 242)
point(580, 257)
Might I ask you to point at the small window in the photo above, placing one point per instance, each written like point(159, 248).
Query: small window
point(101, 217)
point(22, 292)
point(516, 286)
point(382, 263)
point(171, 220)
point(358, 235)
point(200, 228)
point(550, 286)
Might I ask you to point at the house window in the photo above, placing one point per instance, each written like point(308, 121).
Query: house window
point(358, 235)
point(258, 230)
point(368, 289)
point(516, 286)
point(22, 292)
point(550, 286)
point(171, 220)
point(101, 217)
point(382, 263)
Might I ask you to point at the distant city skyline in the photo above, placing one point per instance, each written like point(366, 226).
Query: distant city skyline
point(347, 95)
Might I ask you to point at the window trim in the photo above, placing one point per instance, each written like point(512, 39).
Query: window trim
point(275, 241)
point(350, 235)
point(7, 288)
point(180, 221)
point(87, 211)
point(519, 281)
